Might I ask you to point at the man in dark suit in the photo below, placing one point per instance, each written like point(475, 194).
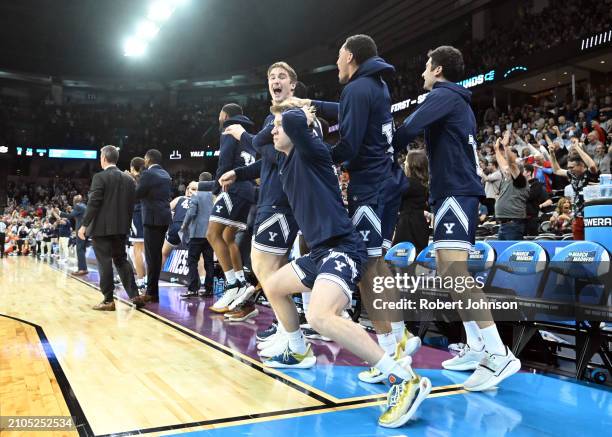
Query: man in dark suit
point(194, 227)
point(77, 213)
point(154, 191)
point(107, 220)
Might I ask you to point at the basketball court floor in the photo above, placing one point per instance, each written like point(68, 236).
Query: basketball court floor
point(176, 368)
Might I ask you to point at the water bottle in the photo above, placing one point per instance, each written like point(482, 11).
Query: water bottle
point(217, 286)
point(605, 182)
point(221, 287)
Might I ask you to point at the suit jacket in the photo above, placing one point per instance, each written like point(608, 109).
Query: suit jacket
point(196, 219)
point(111, 203)
point(154, 190)
point(78, 212)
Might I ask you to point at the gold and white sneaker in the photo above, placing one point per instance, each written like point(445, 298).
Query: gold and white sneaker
point(404, 398)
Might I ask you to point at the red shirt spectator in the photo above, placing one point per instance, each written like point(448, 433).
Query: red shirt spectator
point(542, 171)
point(600, 132)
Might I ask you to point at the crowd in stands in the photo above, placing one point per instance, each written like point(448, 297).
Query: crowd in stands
point(130, 127)
point(560, 149)
point(560, 22)
point(545, 140)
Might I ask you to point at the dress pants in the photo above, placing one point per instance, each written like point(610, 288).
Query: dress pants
point(110, 250)
point(80, 251)
point(153, 243)
point(200, 247)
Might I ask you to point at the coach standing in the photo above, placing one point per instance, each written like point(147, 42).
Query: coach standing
point(154, 190)
point(107, 220)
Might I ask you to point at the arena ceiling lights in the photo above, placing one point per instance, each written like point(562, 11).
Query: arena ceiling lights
point(159, 11)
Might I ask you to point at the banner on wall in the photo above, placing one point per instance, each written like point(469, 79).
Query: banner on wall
point(175, 269)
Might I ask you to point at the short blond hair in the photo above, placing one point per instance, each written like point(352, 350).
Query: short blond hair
point(290, 71)
point(283, 106)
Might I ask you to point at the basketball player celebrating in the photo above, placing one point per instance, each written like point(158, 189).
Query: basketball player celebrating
point(179, 207)
point(137, 230)
point(275, 227)
point(374, 190)
point(231, 208)
point(450, 131)
point(331, 269)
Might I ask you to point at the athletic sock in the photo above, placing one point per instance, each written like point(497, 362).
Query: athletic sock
point(388, 365)
point(492, 341)
point(240, 275)
point(474, 336)
point(202, 279)
point(305, 300)
point(387, 342)
point(230, 276)
point(398, 330)
point(296, 341)
point(279, 327)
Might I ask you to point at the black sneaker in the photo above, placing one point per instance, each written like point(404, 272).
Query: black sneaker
point(269, 331)
point(311, 334)
point(189, 294)
point(205, 292)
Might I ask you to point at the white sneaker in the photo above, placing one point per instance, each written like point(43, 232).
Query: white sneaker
point(270, 340)
point(222, 305)
point(288, 359)
point(275, 347)
point(455, 348)
point(243, 294)
point(466, 359)
point(492, 370)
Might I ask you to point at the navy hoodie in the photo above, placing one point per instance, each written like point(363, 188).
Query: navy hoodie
point(271, 194)
point(366, 125)
point(309, 179)
point(272, 198)
point(234, 154)
point(447, 119)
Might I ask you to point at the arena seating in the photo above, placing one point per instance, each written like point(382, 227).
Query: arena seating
point(561, 286)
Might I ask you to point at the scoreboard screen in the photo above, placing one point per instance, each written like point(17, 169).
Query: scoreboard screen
point(73, 154)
